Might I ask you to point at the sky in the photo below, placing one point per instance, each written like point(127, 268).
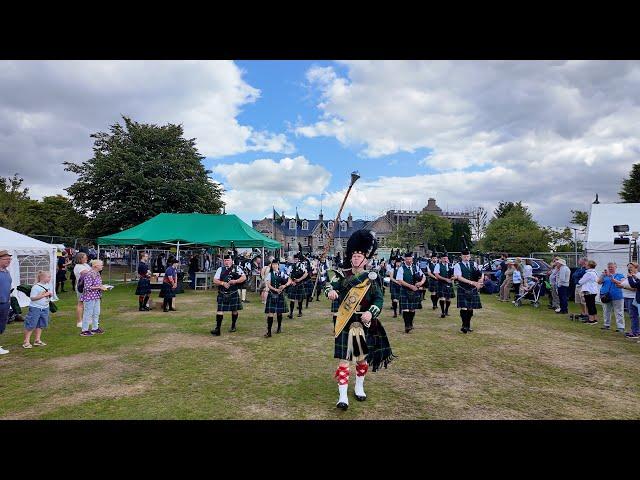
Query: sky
point(287, 134)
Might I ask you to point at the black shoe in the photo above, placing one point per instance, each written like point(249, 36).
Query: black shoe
point(434, 308)
point(140, 309)
point(562, 313)
point(165, 309)
point(361, 399)
point(146, 309)
point(446, 313)
point(172, 310)
point(395, 315)
point(232, 329)
point(342, 406)
point(463, 330)
point(215, 332)
point(442, 315)
point(267, 335)
point(290, 315)
point(279, 330)
point(604, 327)
point(299, 314)
point(407, 330)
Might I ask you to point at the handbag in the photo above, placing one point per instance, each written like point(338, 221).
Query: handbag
point(605, 297)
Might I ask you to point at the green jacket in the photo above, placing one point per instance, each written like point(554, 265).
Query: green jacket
point(373, 299)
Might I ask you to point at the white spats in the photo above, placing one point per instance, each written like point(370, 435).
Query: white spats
point(359, 390)
point(342, 389)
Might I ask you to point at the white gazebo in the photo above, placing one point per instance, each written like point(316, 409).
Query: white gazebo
point(600, 237)
point(29, 256)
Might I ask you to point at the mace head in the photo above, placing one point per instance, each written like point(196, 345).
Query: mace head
point(354, 176)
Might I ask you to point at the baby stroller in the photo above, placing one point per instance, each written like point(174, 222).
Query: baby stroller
point(531, 291)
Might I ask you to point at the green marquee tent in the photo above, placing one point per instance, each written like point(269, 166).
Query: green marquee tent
point(192, 229)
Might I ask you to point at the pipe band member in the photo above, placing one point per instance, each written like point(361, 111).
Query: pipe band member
point(444, 273)
point(469, 278)
point(432, 279)
point(395, 288)
point(275, 281)
point(297, 292)
point(169, 285)
point(411, 280)
point(359, 334)
point(143, 289)
point(228, 278)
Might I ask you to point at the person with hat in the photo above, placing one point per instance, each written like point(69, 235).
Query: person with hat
point(275, 281)
point(297, 292)
point(432, 279)
point(564, 279)
point(309, 281)
point(395, 263)
point(228, 278)
point(5, 292)
point(411, 279)
point(359, 334)
point(469, 278)
point(444, 274)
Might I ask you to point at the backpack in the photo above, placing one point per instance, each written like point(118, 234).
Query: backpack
point(80, 284)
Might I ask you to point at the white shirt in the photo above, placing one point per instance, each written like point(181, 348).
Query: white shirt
point(628, 293)
point(528, 271)
point(237, 269)
point(457, 270)
point(437, 268)
point(414, 269)
point(589, 282)
point(77, 271)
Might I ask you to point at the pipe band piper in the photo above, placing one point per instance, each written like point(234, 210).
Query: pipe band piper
point(411, 280)
point(469, 278)
point(228, 278)
point(359, 334)
point(275, 281)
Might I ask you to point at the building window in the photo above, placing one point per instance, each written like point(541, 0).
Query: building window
point(305, 225)
point(331, 225)
point(343, 226)
point(306, 240)
point(292, 224)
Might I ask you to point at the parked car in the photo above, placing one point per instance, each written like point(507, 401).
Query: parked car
point(540, 267)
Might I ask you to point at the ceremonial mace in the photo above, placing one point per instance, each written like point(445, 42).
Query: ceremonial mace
point(354, 177)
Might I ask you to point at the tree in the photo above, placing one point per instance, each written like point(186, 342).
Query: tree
point(504, 208)
point(579, 218)
point(430, 230)
point(53, 216)
point(479, 222)
point(516, 233)
point(13, 198)
point(630, 192)
point(138, 171)
point(458, 231)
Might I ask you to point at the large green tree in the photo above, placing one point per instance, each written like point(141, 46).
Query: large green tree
point(458, 231)
point(138, 171)
point(630, 192)
point(580, 217)
point(13, 198)
point(505, 208)
point(427, 229)
point(515, 233)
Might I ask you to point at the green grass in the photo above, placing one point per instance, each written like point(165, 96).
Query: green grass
point(519, 363)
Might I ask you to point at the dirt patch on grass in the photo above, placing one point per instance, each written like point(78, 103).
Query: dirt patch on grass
point(177, 341)
point(88, 360)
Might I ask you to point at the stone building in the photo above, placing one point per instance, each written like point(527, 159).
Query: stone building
point(313, 234)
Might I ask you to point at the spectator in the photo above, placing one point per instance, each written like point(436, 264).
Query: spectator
point(563, 281)
point(553, 282)
point(589, 283)
point(503, 267)
point(518, 276)
point(81, 267)
point(505, 288)
point(61, 273)
point(528, 269)
point(91, 295)
point(499, 277)
point(616, 305)
point(38, 316)
point(194, 267)
point(634, 282)
point(578, 297)
point(629, 296)
point(489, 285)
point(5, 293)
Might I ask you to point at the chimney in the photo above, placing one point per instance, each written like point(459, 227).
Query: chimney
point(349, 221)
point(320, 217)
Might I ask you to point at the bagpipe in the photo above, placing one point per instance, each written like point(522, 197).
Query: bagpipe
point(297, 273)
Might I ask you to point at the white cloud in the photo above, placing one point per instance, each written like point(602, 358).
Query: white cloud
point(253, 188)
point(556, 132)
point(48, 109)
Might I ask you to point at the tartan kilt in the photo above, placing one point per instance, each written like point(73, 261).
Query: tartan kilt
point(297, 292)
point(378, 348)
point(308, 287)
point(468, 298)
point(166, 291)
point(445, 290)
point(275, 304)
point(410, 300)
point(395, 291)
point(342, 340)
point(230, 302)
point(144, 286)
point(433, 285)
point(335, 305)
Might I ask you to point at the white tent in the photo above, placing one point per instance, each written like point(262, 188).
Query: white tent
point(29, 255)
point(600, 234)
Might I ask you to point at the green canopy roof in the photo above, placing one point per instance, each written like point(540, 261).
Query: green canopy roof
point(193, 228)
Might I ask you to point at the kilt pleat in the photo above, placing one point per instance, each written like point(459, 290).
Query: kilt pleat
point(144, 286)
point(395, 291)
point(276, 304)
point(297, 292)
point(468, 298)
point(166, 291)
point(433, 285)
point(229, 302)
point(445, 290)
point(410, 300)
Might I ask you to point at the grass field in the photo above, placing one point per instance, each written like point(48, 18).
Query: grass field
point(519, 363)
